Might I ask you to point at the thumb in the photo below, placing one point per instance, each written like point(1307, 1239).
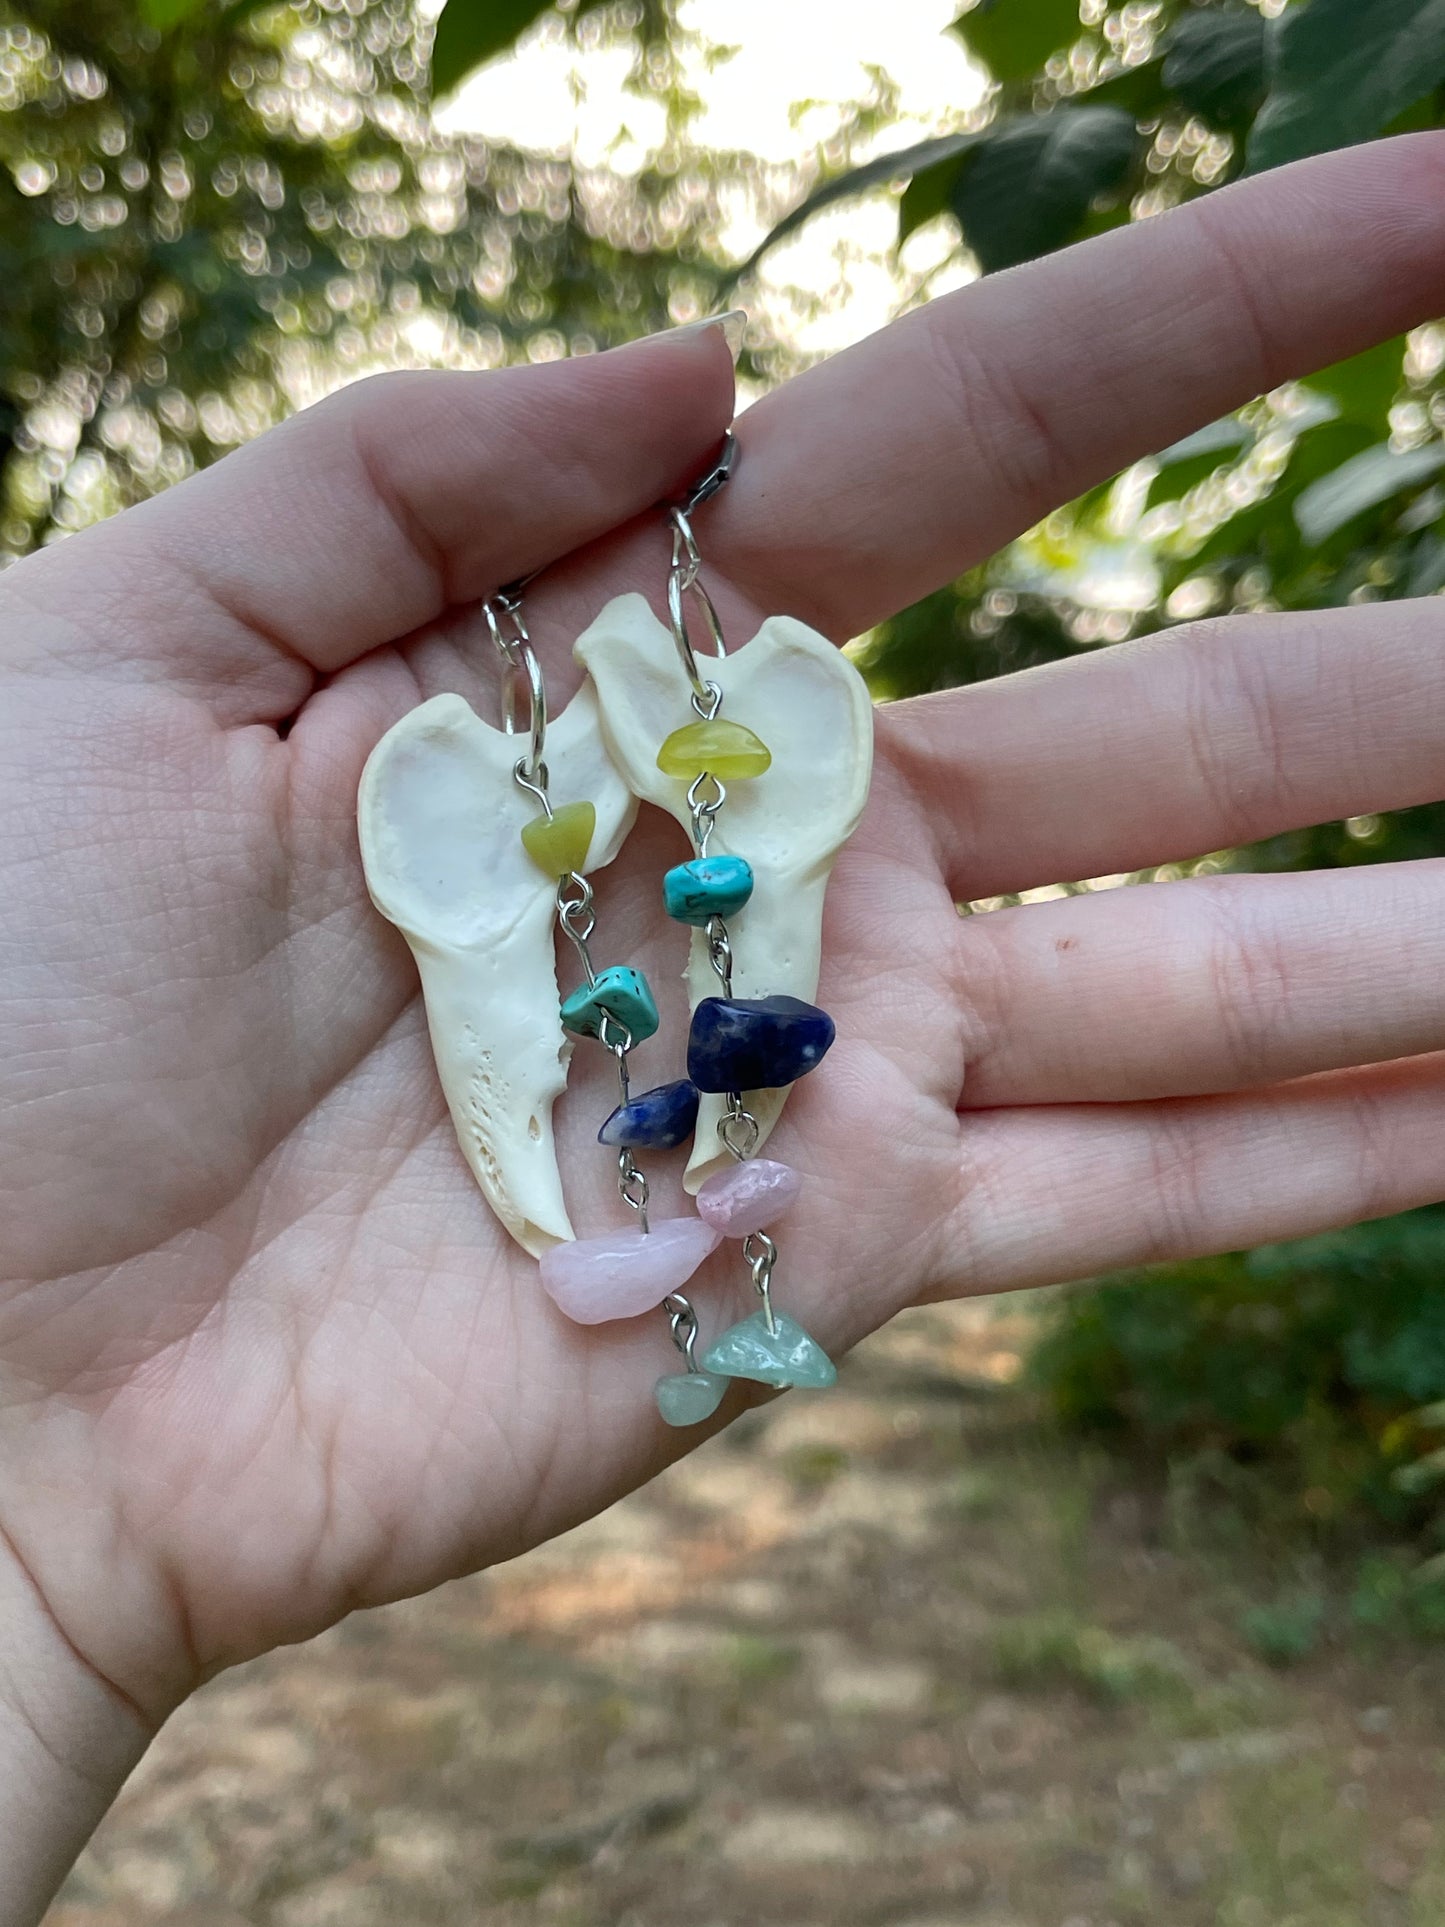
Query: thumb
point(368, 514)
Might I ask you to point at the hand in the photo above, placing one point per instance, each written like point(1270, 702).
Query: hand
point(264, 1356)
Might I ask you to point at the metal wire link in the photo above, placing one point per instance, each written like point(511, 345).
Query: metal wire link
point(720, 952)
point(632, 1188)
point(683, 1322)
point(534, 784)
point(503, 613)
point(737, 1129)
point(761, 1255)
point(617, 1038)
point(577, 918)
point(705, 797)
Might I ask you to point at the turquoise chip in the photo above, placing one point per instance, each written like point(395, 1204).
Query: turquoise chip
point(709, 886)
point(622, 993)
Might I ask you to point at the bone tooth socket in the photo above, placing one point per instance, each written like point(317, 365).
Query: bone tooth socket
point(440, 820)
point(811, 707)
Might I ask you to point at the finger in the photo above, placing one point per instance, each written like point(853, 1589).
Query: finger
point(367, 515)
point(1213, 984)
point(1198, 739)
point(1066, 1191)
point(881, 474)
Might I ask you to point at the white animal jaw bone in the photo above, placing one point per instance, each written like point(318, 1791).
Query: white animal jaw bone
point(812, 709)
point(440, 819)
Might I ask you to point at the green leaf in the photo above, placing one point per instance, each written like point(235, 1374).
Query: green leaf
point(1175, 480)
point(1214, 65)
point(903, 164)
point(1426, 577)
point(470, 32)
point(1362, 483)
point(930, 193)
point(1140, 90)
point(1267, 524)
point(1229, 433)
point(1318, 451)
point(1029, 186)
point(236, 13)
point(1102, 220)
point(1013, 38)
point(166, 14)
point(1341, 71)
point(1241, 535)
point(1364, 387)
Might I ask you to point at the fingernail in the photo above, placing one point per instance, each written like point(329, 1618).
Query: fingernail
point(731, 322)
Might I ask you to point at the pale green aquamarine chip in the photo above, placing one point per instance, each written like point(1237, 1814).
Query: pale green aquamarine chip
point(687, 1398)
point(784, 1356)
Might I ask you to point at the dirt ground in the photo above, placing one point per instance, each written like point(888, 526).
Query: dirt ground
point(895, 1656)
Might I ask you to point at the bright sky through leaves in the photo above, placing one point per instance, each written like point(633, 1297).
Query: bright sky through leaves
point(549, 98)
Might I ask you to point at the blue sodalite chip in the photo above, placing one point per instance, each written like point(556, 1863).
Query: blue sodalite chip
point(657, 1120)
point(755, 1043)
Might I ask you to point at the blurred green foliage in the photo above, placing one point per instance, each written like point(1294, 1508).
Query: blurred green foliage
point(1323, 493)
point(1046, 1651)
point(211, 208)
point(1320, 1363)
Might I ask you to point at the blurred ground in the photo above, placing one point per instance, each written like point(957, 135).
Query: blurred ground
point(893, 1657)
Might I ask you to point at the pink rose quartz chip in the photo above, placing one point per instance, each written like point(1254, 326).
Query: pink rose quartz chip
point(748, 1197)
point(625, 1273)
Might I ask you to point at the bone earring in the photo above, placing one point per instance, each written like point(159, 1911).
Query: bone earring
point(795, 748)
point(472, 851)
point(619, 1274)
point(442, 820)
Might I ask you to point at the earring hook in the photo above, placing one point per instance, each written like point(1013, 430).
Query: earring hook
point(683, 575)
point(520, 667)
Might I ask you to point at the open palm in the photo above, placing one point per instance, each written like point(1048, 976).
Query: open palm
point(264, 1355)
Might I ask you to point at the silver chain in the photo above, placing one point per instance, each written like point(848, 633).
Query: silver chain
point(738, 1130)
point(576, 905)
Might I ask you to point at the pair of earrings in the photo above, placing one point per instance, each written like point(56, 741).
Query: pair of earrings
point(475, 853)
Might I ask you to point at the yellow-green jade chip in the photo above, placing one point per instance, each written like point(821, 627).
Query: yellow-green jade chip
point(722, 749)
point(558, 844)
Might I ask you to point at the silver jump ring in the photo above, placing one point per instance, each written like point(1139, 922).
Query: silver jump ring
point(683, 1321)
point(682, 577)
point(521, 672)
point(528, 671)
